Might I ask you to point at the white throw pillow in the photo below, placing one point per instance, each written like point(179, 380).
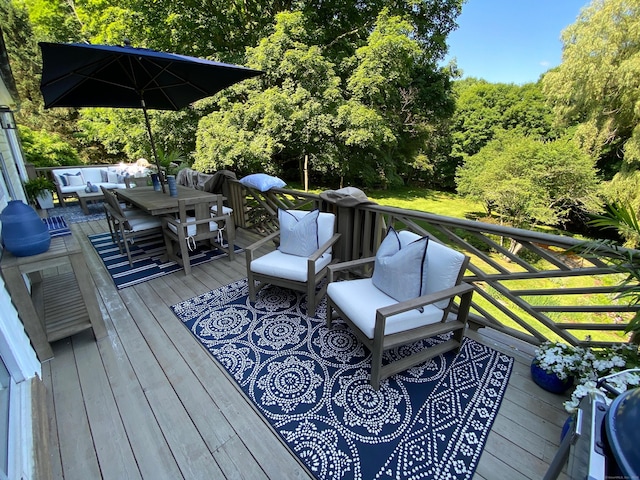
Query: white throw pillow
point(75, 180)
point(112, 177)
point(400, 268)
point(298, 236)
point(262, 181)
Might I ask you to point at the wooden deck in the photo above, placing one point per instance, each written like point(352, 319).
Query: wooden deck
point(149, 402)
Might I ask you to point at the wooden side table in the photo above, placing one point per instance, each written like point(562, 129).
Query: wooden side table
point(57, 306)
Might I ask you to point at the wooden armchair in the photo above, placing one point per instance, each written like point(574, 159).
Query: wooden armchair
point(382, 322)
point(297, 272)
point(193, 224)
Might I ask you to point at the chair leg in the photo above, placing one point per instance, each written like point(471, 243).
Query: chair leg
point(126, 245)
point(311, 300)
point(252, 287)
point(184, 253)
point(231, 237)
point(376, 362)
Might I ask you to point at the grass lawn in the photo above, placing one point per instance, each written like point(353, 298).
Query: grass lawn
point(431, 201)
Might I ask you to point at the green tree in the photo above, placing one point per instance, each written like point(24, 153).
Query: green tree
point(484, 108)
point(368, 128)
point(45, 149)
point(527, 182)
point(597, 86)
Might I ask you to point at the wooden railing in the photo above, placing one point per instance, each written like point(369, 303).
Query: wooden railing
point(549, 290)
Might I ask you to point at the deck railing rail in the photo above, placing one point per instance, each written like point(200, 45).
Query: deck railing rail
point(530, 285)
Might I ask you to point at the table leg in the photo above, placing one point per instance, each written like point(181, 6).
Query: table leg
point(83, 204)
point(88, 291)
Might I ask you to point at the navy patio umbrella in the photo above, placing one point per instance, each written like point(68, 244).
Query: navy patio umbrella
point(85, 75)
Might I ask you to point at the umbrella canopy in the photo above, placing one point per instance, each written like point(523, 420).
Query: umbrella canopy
point(84, 75)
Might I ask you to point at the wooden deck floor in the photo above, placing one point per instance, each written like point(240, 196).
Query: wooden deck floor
point(149, 402)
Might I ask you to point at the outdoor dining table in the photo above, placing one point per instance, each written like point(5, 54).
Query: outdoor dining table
point(156, 202)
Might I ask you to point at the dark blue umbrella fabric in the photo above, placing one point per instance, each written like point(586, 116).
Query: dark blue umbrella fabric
point(84, 75)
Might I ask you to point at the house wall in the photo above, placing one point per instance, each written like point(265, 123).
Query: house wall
point(15, 347)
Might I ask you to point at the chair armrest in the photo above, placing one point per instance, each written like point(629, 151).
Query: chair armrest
point(338, 267)
point(262, 241)
point(414, 303)
point(323, 248)
point(250, 250)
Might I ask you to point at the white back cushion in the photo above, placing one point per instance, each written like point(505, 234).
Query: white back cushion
point(326, 224)
point(443, 266)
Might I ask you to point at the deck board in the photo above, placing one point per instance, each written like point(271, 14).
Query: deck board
point(149, 402)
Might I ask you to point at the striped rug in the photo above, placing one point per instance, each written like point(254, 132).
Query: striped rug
point(57, 226)
point(146, 253)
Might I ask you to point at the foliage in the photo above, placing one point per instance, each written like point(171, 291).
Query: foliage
point(483, 109)
point(45, 149)
point(35, 187)
point(597, 86)
point(377, 117)
point(559, 358)
point(527, 181)
point(624, 221)
point(589, 365)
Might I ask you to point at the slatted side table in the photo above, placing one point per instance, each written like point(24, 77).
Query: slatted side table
point(58, 306)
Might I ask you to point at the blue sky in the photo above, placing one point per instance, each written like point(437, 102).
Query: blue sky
point(511, 41)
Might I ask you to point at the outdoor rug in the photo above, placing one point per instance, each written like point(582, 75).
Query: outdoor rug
point(57, 226)
point(73, 213)
point(145, 253)
point(312, 386)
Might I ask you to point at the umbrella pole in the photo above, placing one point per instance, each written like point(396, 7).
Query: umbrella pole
point(153, 146)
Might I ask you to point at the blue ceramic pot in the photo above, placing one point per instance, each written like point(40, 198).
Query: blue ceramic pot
point(549, 381)
point(23, 231)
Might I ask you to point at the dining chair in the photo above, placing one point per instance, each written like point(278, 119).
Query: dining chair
point(193, 224)
point(128, 224)
point(408, 298)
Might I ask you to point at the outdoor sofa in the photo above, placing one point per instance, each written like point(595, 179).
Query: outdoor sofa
point(71, 180)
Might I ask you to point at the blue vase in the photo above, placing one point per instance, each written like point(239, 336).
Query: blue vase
point(549, 381)
point(155, 180)
point(173, 189)
point(23, 231)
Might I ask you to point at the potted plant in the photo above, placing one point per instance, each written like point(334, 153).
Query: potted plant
point(556, 365)
point(39, 191)
point(618, 365)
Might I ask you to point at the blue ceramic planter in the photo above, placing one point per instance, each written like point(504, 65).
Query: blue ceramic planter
point(23, 231)
point(549, 381)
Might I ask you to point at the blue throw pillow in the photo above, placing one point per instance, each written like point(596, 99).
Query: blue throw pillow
point(400, 268)
point(298, 236)
point(262, 181)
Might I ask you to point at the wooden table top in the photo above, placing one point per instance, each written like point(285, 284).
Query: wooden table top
point(61, 246)
point(158, 203)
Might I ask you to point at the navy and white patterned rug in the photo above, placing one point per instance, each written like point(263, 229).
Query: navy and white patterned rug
point(312, 385)
point(73, 213)
point(146, 253)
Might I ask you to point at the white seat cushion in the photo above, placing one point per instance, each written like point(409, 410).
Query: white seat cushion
point(282, 265)
point(225, 210)
point(192, 229)
point(359, 300)
point(139, 223)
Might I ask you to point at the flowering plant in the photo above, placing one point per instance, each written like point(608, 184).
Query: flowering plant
point(616, 365)
point(559, 358)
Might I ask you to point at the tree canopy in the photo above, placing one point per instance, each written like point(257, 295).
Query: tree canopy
point(597, 85)
point(527, 181)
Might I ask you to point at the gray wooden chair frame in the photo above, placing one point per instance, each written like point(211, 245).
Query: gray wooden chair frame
point(309, 286)
point(200, 219)
point(120, 226)
point(382, 342)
